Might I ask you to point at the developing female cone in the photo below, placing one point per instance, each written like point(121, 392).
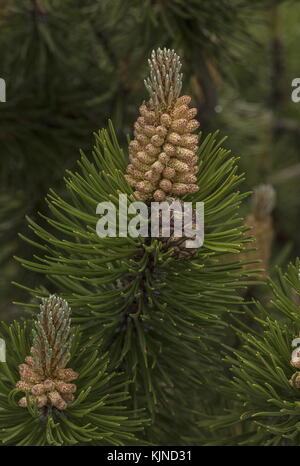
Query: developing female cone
point(163, 153)
point(261, 226)
point(44, 376)
point(175, 245)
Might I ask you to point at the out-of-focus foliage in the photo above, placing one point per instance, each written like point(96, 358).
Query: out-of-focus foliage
point(259, 380)
point(264, 123)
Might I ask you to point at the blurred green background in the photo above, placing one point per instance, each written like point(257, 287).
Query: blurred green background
point(70, 65)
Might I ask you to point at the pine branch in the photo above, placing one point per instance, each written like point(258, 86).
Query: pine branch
point(264, 382)
point(99, 415)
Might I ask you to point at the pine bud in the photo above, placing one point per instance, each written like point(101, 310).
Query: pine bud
point(260, 224)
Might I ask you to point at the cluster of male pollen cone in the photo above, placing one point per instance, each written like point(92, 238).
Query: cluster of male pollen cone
point(260, 224)
point(163, 152)
point(44, 376)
